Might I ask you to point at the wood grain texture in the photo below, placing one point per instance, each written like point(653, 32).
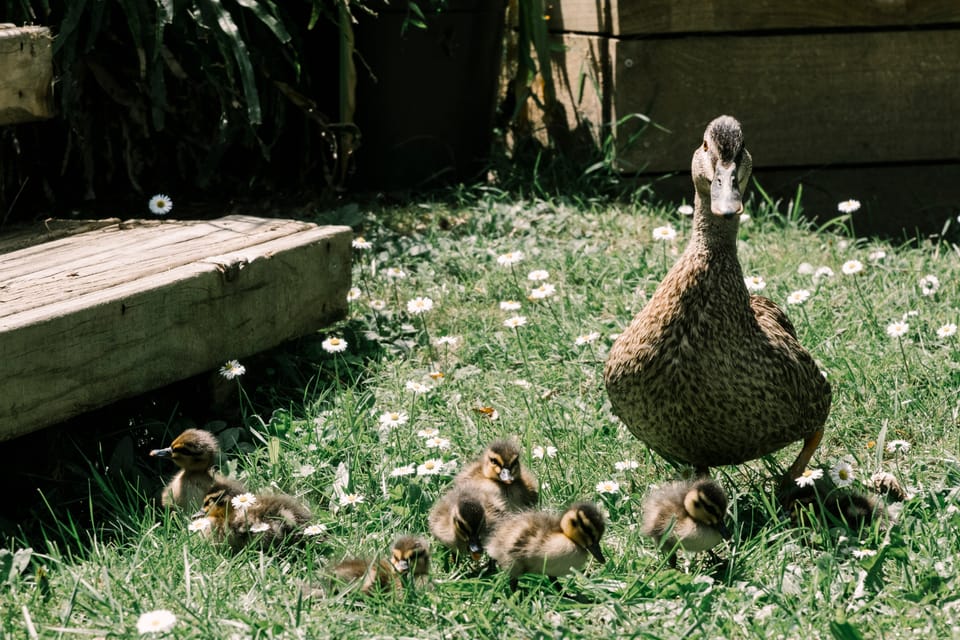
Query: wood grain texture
point(26, 74)
point(804, 99)
point(152, 303)
point(632, 18)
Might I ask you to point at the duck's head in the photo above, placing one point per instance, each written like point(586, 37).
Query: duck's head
point(410, 554)
point(721, 167)
point(217, 500)
point(193, 450)
point(501, 461)
point(706, 503)
point(584, 525)
point(469, 519)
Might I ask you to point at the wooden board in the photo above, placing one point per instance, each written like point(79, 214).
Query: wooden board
point(631, 17)
point(26, 74)
point(92, 318)
point(804, 99)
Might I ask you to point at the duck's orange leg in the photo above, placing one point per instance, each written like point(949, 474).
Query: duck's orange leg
point(803, 459)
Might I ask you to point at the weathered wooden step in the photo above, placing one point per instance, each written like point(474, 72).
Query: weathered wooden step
point(120, 308)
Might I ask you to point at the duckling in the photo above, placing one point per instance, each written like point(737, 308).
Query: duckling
point(547, 543)
point(409, 556)
point(195, 452)
point(462, 518)
point(849, 508)
point(270, 518)
point(499, 467)
point(708, 374)
point(688, 514)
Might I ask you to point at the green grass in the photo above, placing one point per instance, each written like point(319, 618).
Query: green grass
point(775, 579)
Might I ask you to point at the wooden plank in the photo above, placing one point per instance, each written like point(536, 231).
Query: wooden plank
point(852, 98)
point(632, 18)
point(26, 74)
point(133, 335)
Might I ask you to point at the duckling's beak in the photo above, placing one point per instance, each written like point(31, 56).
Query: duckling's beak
point(401, 565)
point(594, 550)
point(162, 453)
point(505, 476)
point(725, 199)
point(476, 549)
point(199, 514)
point(724, 530)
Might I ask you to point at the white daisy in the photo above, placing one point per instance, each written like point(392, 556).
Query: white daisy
point(755, 283)
point(848, 206)
point(430, 467)
point(362, 243)
point(543, 291)
point(514, 321)
point(232, 369)
point(429, 432)
point(588, 338)
point(850, 267)
point(305, 471)
point(947, 330)
point(538, 274)
point(353, 294)
point(419, 305)
point(396, 273)
point(510, 258)
point(509, 305)
point(243, 501)
point(897, 329)
point(665, 233)
point(798, 297)
point(160, 205)
point(334, 344)
point(540, 452)
point(898, 446)
point(378, 305)
point(822, 273)
point(390, 419)
point(437, 442)
point(608, 486)
point(842, 474)
point(159, 621)
point(877, 255)
point(350, 499)
point(405, 470)
point(626, 465)
point(809, 477)
point(929, 284)
point(314, 530)
point(860, 554)
point(685, 210)
point(199, 525)
point(417, 388)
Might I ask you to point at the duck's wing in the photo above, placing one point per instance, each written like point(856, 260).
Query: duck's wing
point(771, 317)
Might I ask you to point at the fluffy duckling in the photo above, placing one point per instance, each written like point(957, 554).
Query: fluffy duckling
point(462, 519)
point(853, 509)
point(238, 517)
point(499, 467)
point(195, 452)
point(708, 374)
point(688, 514)
point(547, 543)
point(409, 556)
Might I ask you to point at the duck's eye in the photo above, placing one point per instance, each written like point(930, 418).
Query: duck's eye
point(705, 148)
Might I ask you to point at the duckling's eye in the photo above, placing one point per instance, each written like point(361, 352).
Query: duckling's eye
point(705, 148)
point(496, 463)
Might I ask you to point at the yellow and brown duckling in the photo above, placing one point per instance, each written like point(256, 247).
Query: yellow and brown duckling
point(409, 557)
point(688, 514)
point(462, 519)
point(499, 467)
point(547, 543)
point(708, 374)
point(195, 451)
point(238, 517)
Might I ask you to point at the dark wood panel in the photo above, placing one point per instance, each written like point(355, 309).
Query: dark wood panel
point(803, 99)
point(631, 17)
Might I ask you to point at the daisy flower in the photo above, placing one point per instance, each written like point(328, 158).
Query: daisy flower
point(429, 432)
point(608, 486)
point(744, 218)
point(361, 243)
point(314, 530)
point(419, 305)
point(353, 294)
point(898, 446)
point(243, 501)
point(396, 273)
point(514, 321)
point(755, 283)
point(350, 499)
point(378, 305)
point(417, 387)
point(405, 470)
point(877, 255)
point(390, 419)
point(897, 329)
point(947, 330)
point(259, 527)
point(842, 474)
point(159, 621)
point(538, 274)
point(509, 305)
point(850, 267)
point(450, 341)
point(665, 233)
point(334, 345)
point(305, 471)
point(199, 525)
point(685, 210)
point(860, 554)
point(626, 465)
point(523, 384)
point(232, 369)
point(540, 452)
point(822, 273)
point(809, 477)
point(805, 269)
point(543, 291)
point(929, 284)
point(430, 467)
point(588, 338)
point(798, 297)
point(848, 206)
point(160, 205)
point(511, 258)
point(437, 442)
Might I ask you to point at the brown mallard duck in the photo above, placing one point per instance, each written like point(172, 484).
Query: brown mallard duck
point(195, 451)
point(688, 514)
point(707, 374)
